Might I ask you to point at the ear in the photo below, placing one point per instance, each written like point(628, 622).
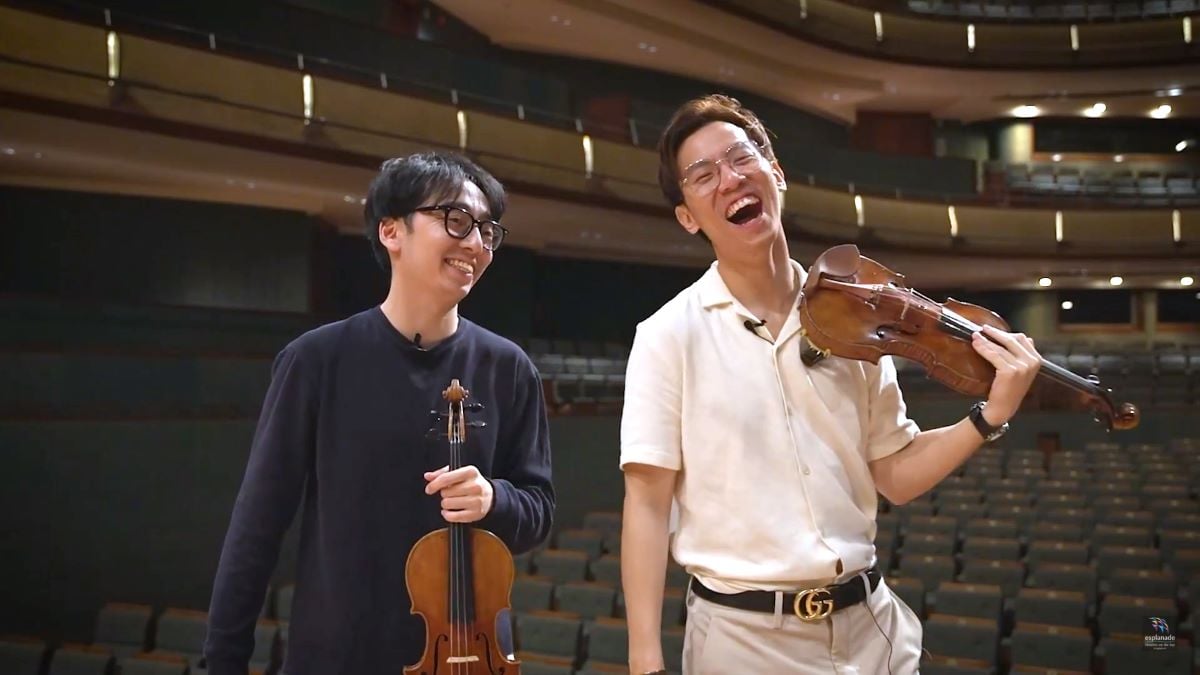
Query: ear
point(391, 234)
point(686, 221)
point(780, 179)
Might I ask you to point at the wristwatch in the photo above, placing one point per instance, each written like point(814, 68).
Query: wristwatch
point(989, 432)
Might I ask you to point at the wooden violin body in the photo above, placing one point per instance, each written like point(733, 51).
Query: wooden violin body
point(461, 637)
point(460, 580)
point(853, 307)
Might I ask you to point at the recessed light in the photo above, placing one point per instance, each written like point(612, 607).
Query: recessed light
point(1182, 145)
point(1186, 281)
point(1026, 111)
point(1118, 158)
point(1045, 281)
point(1056, 157)
point(1161, 112)
point(1115, 281)
point(1096, 110)
point(10, 151)
point(1067, 304)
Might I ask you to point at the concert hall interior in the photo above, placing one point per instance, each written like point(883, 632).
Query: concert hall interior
point(181, 195)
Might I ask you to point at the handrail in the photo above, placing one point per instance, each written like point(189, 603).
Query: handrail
point(637, 132)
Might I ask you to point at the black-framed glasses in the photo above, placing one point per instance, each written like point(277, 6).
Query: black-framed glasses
point(703, 176)
point(459, 222)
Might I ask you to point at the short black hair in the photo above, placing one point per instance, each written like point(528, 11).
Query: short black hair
point(407, 183)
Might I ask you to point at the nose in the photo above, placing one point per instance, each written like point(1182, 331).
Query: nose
point(726, 169)
point(473, 241)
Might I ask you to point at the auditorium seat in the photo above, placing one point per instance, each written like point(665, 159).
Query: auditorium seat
point(1058, 647)
point(1051, 607)
point(21, 655)
point(962, 637)
point(530, 593)
point(74, 659)
point(124, 628)
point(588, 599)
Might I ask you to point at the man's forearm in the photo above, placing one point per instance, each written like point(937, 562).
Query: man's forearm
point(643, 577)
point(925, 461)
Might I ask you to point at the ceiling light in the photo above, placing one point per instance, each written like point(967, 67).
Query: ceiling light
point(1056, 157)
point(1096, 110)
point(1175, 91)
point(10, 151)
point(1115, 281)
point(1067, 304)
point(1161, 112)
point(1118, 158)
point(1182, 145)
point(971, 38)
point(1186, 281)
point(1026, 111)
point(1045, 282)
point(1074, 38)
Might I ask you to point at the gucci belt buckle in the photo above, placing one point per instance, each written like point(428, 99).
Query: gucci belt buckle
point(813, 604)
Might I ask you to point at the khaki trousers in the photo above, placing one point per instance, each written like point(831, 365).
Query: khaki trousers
point(878, 636)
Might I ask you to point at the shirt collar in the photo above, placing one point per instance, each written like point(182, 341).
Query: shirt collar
point(714, 292)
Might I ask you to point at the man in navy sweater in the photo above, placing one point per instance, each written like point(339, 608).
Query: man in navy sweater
point(343, 431)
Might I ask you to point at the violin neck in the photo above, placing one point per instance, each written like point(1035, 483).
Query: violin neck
point(1057, 373)
point(460, 592)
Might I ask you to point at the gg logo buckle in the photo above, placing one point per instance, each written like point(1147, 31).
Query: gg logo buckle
point(813, 604)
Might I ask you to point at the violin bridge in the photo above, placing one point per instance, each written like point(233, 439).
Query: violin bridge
point(462, 659)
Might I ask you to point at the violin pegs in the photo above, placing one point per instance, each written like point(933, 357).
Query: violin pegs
point(477, 425)
point(473, 407)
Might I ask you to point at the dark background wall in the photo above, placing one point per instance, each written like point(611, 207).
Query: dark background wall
point(153, 251)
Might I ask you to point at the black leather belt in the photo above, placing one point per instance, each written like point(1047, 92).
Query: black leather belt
point(812, 604)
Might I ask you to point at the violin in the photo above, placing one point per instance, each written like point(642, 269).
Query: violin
point(853, 307)
point(460, 579)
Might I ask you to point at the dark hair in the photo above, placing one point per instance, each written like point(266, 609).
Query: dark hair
point(407, 183)
point(687, 120)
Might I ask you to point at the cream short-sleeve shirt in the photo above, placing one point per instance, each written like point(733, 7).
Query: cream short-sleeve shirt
point(774, 488)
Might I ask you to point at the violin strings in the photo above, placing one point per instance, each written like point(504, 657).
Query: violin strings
point(457, 622)
point(464, 560)
point(455, 557)
point(966, 327)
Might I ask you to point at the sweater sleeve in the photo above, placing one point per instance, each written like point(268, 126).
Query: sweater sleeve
point(523, 502)
point(266, 504)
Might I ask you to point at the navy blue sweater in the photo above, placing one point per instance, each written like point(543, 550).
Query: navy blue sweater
point(343, 431)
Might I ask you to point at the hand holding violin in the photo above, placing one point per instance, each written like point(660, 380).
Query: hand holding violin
point(1017, 363)
point(466, 494)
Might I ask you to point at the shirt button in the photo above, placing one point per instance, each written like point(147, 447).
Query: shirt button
point(807, 470)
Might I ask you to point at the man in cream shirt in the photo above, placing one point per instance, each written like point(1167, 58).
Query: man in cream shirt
point(773, 464)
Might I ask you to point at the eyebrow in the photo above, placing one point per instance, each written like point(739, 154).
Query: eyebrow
point(722, 154)
point(467, 207)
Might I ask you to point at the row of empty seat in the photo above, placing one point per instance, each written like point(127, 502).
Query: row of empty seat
point(1117, 185)
point(1040, 10)
point(132, 639)
point(1023, 561)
